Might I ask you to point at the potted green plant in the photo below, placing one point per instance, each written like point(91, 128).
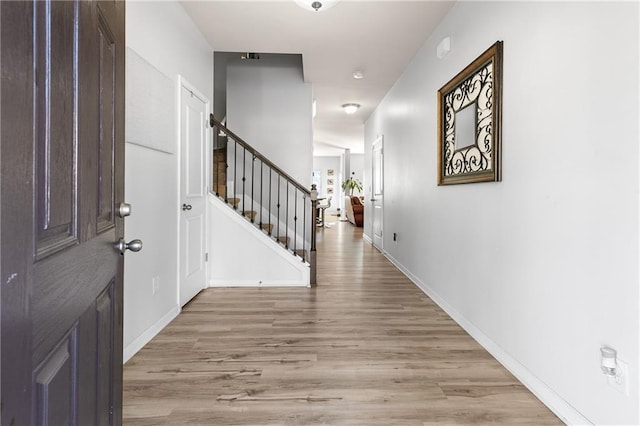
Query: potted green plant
point(352, 184)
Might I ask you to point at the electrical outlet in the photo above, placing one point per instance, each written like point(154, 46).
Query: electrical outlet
point(621, 381)
point(155, 285)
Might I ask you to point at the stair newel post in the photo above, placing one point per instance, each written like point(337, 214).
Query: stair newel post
point(312, 253)
point(215, 182)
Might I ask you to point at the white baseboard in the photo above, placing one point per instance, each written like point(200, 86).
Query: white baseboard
point(132, 348)
point(253, 283)
point(561, 408)
point(367, 239)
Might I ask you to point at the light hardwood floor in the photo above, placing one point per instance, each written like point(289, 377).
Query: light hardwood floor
point(366, 347)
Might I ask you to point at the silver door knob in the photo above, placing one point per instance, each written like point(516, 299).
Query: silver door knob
point(122, 246)
point(186, 207)
point(124, 209)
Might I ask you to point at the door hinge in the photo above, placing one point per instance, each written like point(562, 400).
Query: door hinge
point(206, 257)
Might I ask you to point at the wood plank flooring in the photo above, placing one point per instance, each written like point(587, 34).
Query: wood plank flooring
point(366, 347)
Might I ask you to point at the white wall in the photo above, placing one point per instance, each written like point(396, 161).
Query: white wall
point(246, 257)
point(163, 36)
point(323, 164)
point(357, 166)
point(541, 268)
point(269, 106)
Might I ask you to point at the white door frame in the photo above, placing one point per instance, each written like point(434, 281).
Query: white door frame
point(182, 82)
point(379, 142)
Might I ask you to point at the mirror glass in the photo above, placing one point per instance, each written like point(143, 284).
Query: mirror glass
point(465, 127)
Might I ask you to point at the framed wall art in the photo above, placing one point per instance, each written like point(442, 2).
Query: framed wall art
point(470, 121)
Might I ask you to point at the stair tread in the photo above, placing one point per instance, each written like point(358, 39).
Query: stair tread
point(302, 253)
point(267, 227)
point(250, 214)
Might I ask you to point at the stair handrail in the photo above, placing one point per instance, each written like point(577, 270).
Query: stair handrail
point(311, 194)
point(215, 123)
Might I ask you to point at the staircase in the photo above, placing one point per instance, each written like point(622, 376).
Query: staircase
point(263, 194)
point(219, 166)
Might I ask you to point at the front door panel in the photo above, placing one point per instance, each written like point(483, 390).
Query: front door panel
point(55, 390)
point(65, 367)
point(56, 80)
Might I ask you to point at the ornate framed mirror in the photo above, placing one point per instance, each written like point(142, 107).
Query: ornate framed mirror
point(469, 122)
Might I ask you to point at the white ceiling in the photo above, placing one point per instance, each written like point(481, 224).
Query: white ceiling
point(376, 37)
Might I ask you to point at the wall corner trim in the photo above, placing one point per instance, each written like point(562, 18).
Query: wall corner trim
point(370, 241)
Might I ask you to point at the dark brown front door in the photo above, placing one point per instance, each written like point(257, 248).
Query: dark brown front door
point(61, 158)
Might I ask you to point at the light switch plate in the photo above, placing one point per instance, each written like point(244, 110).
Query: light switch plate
point(620, 383)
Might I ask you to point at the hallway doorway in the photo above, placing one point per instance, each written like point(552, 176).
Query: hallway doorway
point(377, 194)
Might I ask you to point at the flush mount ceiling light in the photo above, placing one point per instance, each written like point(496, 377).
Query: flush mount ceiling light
point(358, 75)
point(316, 5)
point(350, 108)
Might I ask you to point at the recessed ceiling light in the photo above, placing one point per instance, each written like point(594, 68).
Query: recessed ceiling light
point(358, 75)
point(350, 108)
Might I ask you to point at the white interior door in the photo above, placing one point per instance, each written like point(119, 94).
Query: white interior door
point(194, 131)
point(377, 189)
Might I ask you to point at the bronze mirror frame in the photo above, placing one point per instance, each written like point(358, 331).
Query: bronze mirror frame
point(478, 86)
